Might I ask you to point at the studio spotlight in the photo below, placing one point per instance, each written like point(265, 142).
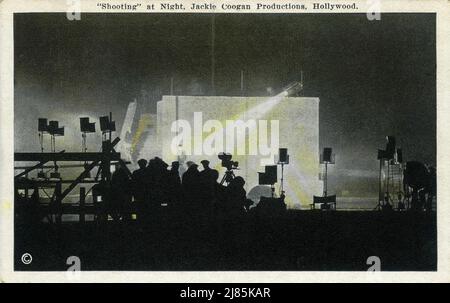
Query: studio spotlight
point(283, 159)
point(54, 129)
point(269, 176)
point(292, 89)
point(327, 154)
point(326, 158)
point(42, 125)
point(106, 125)
point(86, 126)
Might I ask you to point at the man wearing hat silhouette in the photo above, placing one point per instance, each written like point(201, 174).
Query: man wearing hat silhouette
point(191, 184)
point(175, 190)
point(139, 183)
point(208, 179)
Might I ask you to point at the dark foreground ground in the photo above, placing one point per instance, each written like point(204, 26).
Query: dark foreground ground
point(297, 241)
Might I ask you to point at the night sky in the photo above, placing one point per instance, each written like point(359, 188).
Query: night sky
point(373, 78)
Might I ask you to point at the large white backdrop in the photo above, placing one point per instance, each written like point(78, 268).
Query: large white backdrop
point(193, 128)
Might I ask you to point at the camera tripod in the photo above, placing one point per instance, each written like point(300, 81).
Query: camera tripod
point(228, 177)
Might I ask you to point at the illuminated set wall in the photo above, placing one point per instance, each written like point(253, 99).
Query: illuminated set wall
point(193, 128)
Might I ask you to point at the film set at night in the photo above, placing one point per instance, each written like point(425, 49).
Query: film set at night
point(225, 142)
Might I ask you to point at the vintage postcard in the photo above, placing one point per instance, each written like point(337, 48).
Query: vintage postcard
point(224, 141)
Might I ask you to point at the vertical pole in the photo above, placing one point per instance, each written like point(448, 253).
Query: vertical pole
point(399, 195)
point(380, 198)
point(58, 203)
point(110, 132)
point(26, 188)
point(109, 148)
point(84, 142)
point(387, 183)
point(242, 88)
point(171, 86)
point(41, 141)
point(213, 60)
point(177, 132)
point(326, 180)
point(82, 203)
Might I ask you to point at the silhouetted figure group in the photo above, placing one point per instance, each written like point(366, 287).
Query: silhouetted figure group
point(120, 194)
point(422, 181)
point(197, 193)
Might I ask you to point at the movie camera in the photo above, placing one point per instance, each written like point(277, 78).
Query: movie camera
point(227, 162)
point(229, 165)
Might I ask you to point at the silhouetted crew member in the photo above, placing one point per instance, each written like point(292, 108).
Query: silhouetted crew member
point(431, 188)
point(139, 185)
point(422, 199)
point(175, 190)
point(207, 172)
point(120, 193)
point(236, 196)
point(138, 177)
point(28, 208)
point(190, 182)
point(207, 184)
point(149, 185)
point(159, 176)
point(416, 176)
point(151, 176)
point(219, 191)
